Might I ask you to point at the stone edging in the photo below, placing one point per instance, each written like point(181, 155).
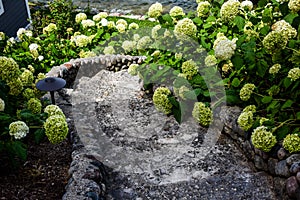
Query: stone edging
point(87, 173)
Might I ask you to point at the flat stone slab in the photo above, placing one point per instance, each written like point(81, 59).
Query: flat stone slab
point(150, 156)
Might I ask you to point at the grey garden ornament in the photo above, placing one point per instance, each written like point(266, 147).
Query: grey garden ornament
point(51, 84)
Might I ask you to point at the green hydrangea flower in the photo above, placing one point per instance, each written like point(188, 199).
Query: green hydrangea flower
point(262, 120)
point(18, 129)
point(294, 5)
point(202, 114)
point(263, 139)
point(54, 110)
point(176, 11)
point(129, 46)
point(229, 10)
point(245, 120)
point(294, 74)
point(210, 61)
point(133, 25)
point(185, 27)
point(27, 77)
point(189, 68)
point(246, 91)
point(109, 50)
point(56, 128)
point(144, 43)
point(275, 69)
point(9, 69)
point(2, 105)
point(155, 10)
point(100, 16)
point(161, 100)
point(79, 17)
point(251, 108)
point(15, 86)
point(34, 105)
point(154, 31)
point(132, 69)
point(122, 21)
point(203, 8)
point(275, 41)
point(292, 143)
point(50, 28)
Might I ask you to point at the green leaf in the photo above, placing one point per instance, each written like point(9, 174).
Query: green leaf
point(265, 30)
point(19, 149)
point(287, 104)
point(298, 115)
point(177, 114)
point(173, 101)
point(274, 107)
point(198, 21)
point(237, 61)
point(262, 3)
point(240, 22)
point(39, 135)
point(235, 82)
point(232, 99)
point(290, 17)
point(287, 82)
point(262, 68)
point(211, 19)
point(266, 99)
point(282, 132)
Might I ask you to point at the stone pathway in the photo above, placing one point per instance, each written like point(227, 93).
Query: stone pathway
point(164, 164)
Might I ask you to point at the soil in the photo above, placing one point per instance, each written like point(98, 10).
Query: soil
point(43, 176)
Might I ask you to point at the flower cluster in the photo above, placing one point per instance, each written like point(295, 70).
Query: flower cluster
point(210, 60)
point(224, 48)
point(246, 91)
point(133, 25)
point(156, 53)
point(274, 41)
point(109, 50)
point(284, 28)
point(155, 10)
point(87, 54)
point(79, 17)
point(185, 27)
point(18, 129)
point(144, 43)
point(34, 105)
point(132, 69)
point(111, 24)
point(263, 139)
point(52, 110)
point(245, 120)
point(294, 74)
point(189, 68)
point(28, 93)
point(176, 11)
point(154, 31)
point(22, 33)
point(56, 128)
point(129, 46)
point(251, 108)
point(294, 5)
point(27, 77)
point(81, 40)
point(229, 10)
point(202, 114)
point(161, 100)
point(15, 86)
point(99, 16)
point(2, 105)
point(180, 92)
point(275, 69)
point(86, 23)
point(33, 48)
point(247, 5)
point(50, 28)
point(292, 143)
point(203, 8)
point(9, 69)
point(121, 28)
point(2, 35)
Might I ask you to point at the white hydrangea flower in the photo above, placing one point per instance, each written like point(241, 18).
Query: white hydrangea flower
point(224, 49)
point(20, 32)
point(176, 11)
point(203, 8)
point(185, 27)
point(121, 28)
point(79, 17)
point(122, 21)
point(41, 58)
point(104, 22)
point(109, 50)
point(2, 105)
point(81, 40)
point(2, 35)
point(33, 46)
point(144, 43)
point(247, 5)
point(154, 31)
point(129, 46)
point(210, 60)
point(18, 129)
point(133, 25)
point(100, 16)
point(294, 5)
point(87, 23)
point(285, 28)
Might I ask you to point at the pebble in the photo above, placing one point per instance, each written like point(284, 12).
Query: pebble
point(272, 162)
point(298, 177)
point(292, 187)
point(281, 169)
point(260, 163)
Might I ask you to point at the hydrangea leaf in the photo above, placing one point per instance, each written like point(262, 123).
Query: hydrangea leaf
point(287, 104)
point(266, 99)
point(240, 22)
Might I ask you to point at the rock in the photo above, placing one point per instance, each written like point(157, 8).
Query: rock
point(272, 162)
point(281, 154)
point(293, 158)
point(281, 169)
point(298, 177)
point(292, 187)
point(248, 150)
point(260, 163)
point(295, 168)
